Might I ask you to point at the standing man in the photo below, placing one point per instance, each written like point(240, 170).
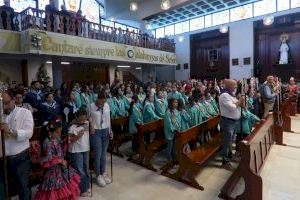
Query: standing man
point(230, 108)
point(18, 129)
point(268, 95)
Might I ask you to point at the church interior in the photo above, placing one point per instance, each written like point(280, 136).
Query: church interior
point(150, 99)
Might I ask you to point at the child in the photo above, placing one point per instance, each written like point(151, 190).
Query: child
point(194, 112)
point(79, 149)
point(135, 117)
point(58, 182)
point(149, 110)
point(161, 104)
point(185, 117)
point(172, 122)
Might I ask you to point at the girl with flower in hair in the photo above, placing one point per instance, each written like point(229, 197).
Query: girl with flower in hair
point(60, 182)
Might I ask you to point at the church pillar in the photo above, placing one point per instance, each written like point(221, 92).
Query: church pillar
point(57, 72)
point(241, 45)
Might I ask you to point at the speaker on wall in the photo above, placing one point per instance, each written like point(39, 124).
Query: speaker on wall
point(178, 67)
point(185, 66)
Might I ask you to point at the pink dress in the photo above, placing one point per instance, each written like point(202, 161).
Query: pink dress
point(57, 183)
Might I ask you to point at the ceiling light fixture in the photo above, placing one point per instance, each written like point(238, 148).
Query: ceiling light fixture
point(49, 62)
point(181, 38)
point(65, 63)
point(223, 29)
point(123, 66)
point(165, 4)
point(138, 68)
point(268, 20)
point(133, 6)
point(148, 26)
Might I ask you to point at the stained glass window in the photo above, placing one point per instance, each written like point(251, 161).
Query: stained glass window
point(169, 30)
point(182, 27)
point(241, 12)
point(22, 5)
point(264, 7)
point(160, 32)
point(283, 5)
point(208, 21)
point(197, 23)
point(90, 9)
point(220, 17)
point(295, 3)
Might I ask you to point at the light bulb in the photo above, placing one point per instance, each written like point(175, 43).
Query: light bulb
point(223, 29)
point(165, 4)
point(133, 6)
point(180, 38)
point(148, 26)
point(268, 20)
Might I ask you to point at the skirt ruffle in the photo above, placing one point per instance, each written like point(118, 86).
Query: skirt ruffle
point(68, 190)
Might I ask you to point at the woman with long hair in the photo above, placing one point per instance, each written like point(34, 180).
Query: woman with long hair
point(135, 117)
point(172, 123)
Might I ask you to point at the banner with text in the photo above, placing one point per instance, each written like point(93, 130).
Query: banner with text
point(65, 45)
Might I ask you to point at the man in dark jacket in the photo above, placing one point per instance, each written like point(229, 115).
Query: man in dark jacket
point(6, 12)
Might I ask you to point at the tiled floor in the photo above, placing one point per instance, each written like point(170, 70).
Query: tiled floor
point(281, 176)
point(134, 182)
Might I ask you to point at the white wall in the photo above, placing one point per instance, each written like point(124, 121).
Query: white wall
point(183, 56)
point(33, 67)
point(165, 73)
point(10, 71)
point(241, 45)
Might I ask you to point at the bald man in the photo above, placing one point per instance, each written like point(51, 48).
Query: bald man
point(268, 95)
point(230, 108)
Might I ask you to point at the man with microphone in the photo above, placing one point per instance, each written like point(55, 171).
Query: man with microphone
point(230, 108)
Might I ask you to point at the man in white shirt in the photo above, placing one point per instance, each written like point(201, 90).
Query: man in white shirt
point(18, 129)
point(100, 120)
point(230, 108)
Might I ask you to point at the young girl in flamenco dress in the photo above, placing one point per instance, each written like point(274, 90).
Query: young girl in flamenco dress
point(58, 183)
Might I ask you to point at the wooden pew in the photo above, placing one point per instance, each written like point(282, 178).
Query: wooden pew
point(148, 150)
point(286, 111)
point(121, 134)
point(193, 162)
point(254, 152)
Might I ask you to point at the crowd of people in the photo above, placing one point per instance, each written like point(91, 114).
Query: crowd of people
point(83, 112)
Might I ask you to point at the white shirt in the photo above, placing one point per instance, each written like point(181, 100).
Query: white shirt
point(20, 121)
point(228, 108)
point(100, 118)
point(83, 143)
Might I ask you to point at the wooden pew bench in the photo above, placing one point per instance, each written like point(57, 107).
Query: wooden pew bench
point(148, 150)
point(254, 153)
point(192, 162)
point(120, 129)
point(286, 110)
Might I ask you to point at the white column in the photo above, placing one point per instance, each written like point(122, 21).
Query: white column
point(241, 45)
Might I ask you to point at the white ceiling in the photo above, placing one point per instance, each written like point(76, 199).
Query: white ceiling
point(119, 9)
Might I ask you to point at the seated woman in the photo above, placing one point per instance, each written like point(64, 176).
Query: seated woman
point(49, 108)
point(60, 181)
point(172, 123)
